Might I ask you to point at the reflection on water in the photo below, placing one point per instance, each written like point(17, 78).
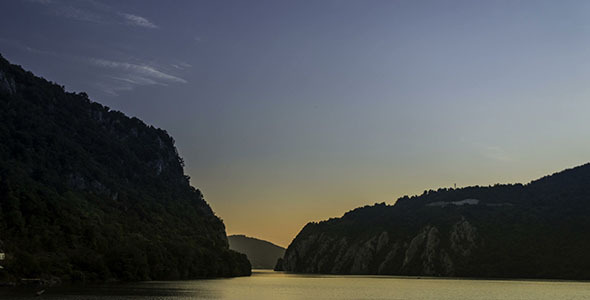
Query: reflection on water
point(265, 284)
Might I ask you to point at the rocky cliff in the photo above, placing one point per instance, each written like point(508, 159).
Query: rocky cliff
point(538, 230)
point(87, 193)
point(425, 253)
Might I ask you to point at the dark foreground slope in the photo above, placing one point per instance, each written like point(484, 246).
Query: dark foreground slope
point(262, 254)
point(89, 193)
point(538, 230)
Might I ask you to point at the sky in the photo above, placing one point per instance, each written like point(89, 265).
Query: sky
point(287, 112)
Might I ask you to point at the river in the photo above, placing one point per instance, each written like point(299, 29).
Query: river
point(266, 284)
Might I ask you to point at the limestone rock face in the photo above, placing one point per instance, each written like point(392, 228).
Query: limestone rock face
point(463, 237)
point(428, 252)
point(534, 230)
point(7, 84)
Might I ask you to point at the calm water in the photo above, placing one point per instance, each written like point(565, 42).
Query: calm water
point(272, 285)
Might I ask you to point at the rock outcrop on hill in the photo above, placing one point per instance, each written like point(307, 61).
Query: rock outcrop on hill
point(87, 193)
point(537, 230)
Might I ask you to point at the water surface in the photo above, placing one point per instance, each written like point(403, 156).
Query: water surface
point(266, 284)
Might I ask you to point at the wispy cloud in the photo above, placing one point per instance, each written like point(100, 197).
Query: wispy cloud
point(113, 89)
point(126, 76)
point(140, 70)
point(181, 65)
point(111, 76)
point(44, 2)
point(137, 80)
point(93, 11)
point(138, 21)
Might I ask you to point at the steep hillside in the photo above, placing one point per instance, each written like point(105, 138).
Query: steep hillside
point(87, 193)
point(538, 230)
point(262, 254)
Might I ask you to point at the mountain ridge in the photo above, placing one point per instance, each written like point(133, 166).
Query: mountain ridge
point(262, 254)
point(89, 194)
point(536, 230)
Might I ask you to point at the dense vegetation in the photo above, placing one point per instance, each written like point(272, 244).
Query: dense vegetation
point(537, 230)
point(87, 193)
point(262, 254)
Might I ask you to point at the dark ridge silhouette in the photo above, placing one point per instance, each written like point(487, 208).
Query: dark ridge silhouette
point(87, 193)
point(262, 254)
point(537, 230)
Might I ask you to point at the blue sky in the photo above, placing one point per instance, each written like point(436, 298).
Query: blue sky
point(293, 111)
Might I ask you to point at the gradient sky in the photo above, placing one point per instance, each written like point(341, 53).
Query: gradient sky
point(294, 111)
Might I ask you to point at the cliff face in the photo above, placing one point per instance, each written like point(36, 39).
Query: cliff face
point(536, 230)
point(88, 193)
point(422, 254)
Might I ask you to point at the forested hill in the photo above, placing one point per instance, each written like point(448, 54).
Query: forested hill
point(262, 254)
point(87, 193)
point(537, 230)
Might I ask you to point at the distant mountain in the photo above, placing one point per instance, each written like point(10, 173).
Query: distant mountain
point(537, 230)
point(262, 254)
point(87, 193)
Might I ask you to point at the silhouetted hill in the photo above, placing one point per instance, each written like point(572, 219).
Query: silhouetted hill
point(537, 230)
point(88, 193)
point(262, 254)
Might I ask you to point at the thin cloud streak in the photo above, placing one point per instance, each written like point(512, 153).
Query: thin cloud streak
point(44, 2)
point(94, 12)
point(136, 80)
point(181, 66)
point(116, 75)
point(113, 89)
point(138, 21)
point(131, 75)
point(143, 71)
